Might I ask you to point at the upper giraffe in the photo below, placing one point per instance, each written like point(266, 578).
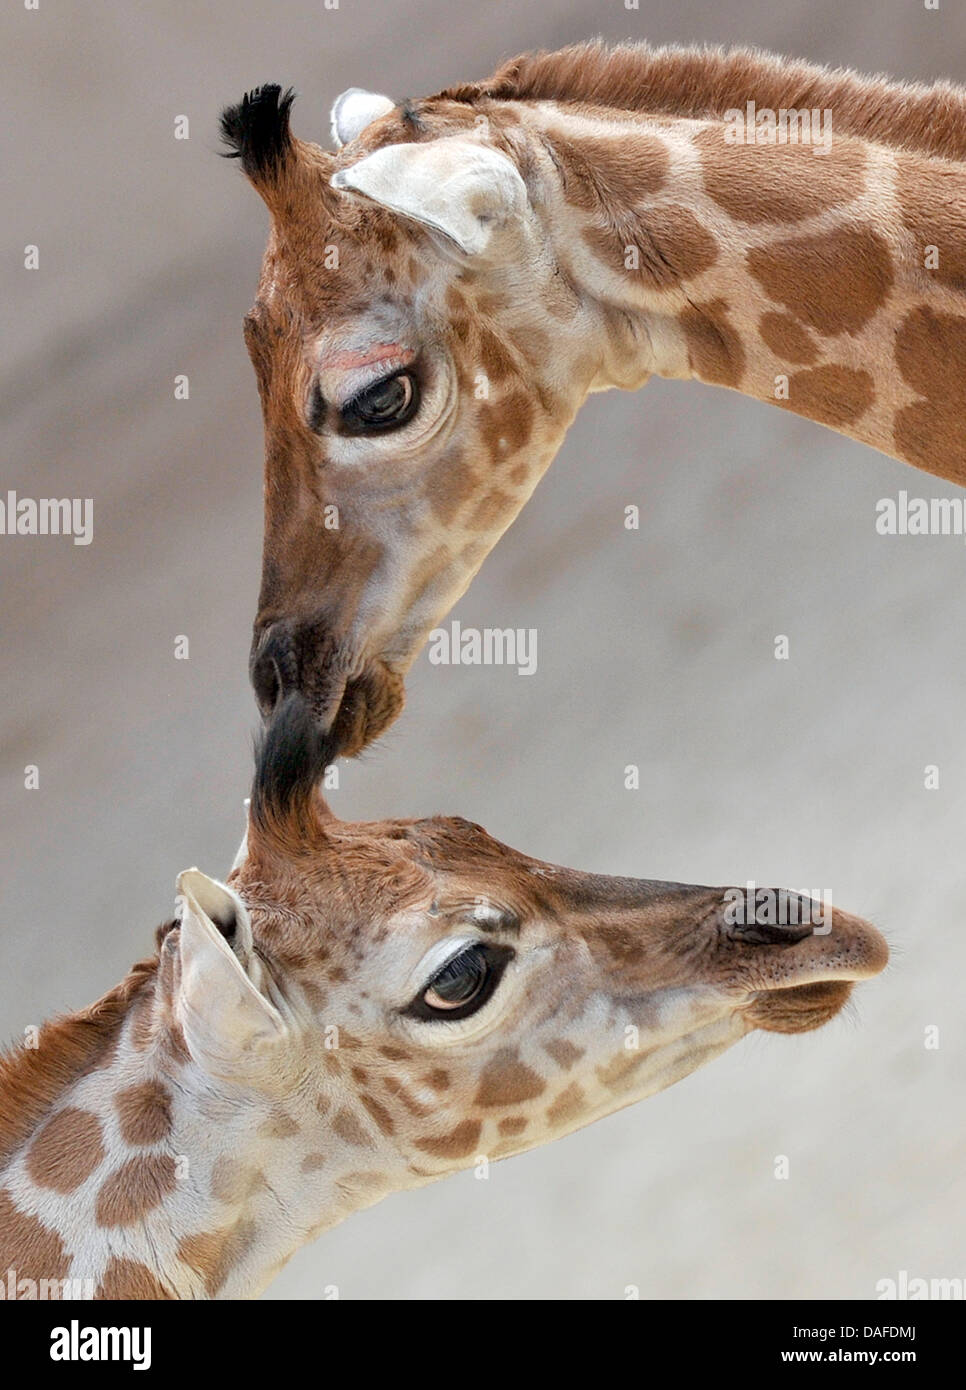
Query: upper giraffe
point(362, 1009)
point(438, 298)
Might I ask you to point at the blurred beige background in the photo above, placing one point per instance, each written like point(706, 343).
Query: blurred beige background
point(655, 648)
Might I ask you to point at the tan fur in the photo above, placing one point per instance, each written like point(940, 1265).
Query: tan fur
point(31, 1078)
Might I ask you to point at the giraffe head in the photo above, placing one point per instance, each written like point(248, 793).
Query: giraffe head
point(428, 996)
point(414, 382)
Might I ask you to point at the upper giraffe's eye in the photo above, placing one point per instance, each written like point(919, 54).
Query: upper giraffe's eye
point(385, 405)
point(464, 984)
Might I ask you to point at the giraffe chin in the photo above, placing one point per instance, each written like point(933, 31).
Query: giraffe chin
point(798, 1009)
point(370, 702)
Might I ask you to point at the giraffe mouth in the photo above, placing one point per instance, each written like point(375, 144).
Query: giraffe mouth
point(800, 1008)
point(808, 981)
point(352, 700)
point(369, 704)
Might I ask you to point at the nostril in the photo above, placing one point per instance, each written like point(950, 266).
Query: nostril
point(267, 683)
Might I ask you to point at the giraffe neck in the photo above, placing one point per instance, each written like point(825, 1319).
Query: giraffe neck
point(828, 279)
point(146, 1178)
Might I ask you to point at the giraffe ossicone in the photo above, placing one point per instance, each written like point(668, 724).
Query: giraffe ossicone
point(360, 1009)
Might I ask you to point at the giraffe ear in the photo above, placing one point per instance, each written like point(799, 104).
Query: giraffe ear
point(241, 854)
point(454, 185)
point(227, 1019)
point(354, 110)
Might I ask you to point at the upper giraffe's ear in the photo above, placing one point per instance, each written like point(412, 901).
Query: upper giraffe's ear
point(227, 1019)
point(455, 185)
point(354, 110)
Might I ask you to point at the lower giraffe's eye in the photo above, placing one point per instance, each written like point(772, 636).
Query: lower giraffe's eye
point(463, 985)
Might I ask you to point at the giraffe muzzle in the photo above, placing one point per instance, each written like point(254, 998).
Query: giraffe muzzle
point(350, 700)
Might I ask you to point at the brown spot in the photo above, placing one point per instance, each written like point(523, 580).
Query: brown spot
point(449, 483)
point(134, 1189)
point(834, 282)
point(715, 351)
point(347, 1126)
point(506, 424)
point(931, 355)
point(779, 183)
point(315, 994)
point(399, 1092)
point(491, 511)
point(832, 395)
point(534, 343)
point(620, 1067)
point(213, 1254)
point(496, 358)
point(130, 1279)
point(458, 1143)
point(568, 1105)
point(513, 1124)
point(311, 1163)
point(33, 1079)
point(564, 1053)
point(278, 1125)
point(363, 1180)
point(66, 1151)
point(664, 246)
point(490, 304)
point(379, 1113)
point(601, 172)
point(438, 1079)
point(505, 1080)
point(175, 1044)
point(787, 338)
point(142, 1023)
point(107, 1056)
point(144, 1112)
point(323, 1103)
point(932, 197)
point(29, 1247)
point(232, 1181)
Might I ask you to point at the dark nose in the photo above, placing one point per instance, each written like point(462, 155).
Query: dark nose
point(273, 669)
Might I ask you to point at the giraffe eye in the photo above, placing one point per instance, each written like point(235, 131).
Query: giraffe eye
point(384, 406)
point(464, 984)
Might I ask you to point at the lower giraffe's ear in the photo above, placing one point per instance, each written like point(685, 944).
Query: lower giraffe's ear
point(227, 1019)
point(241, 854)
point(454, 185)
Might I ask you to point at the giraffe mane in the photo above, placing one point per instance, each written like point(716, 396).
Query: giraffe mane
point(705, 82)
point(32, 1078)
